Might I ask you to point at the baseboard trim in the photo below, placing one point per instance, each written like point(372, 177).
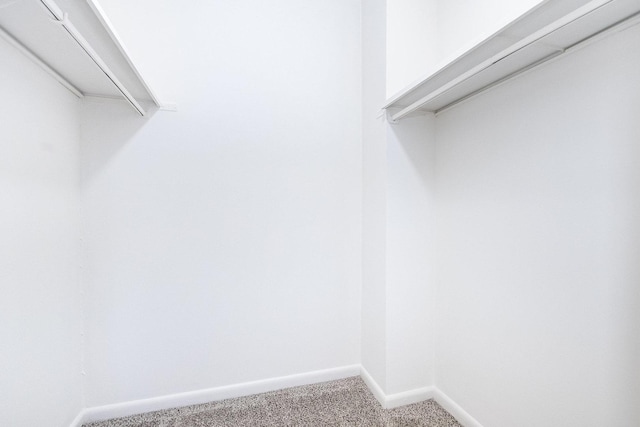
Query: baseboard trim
point(101, 413)
point(456, 410)
point(408, 397)
point(373, 386)
point(78, 420)
point(389, 401)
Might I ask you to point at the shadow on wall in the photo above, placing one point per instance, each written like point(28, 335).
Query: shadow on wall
point(102, 139)
point(410, 243)
point(416, 137)
point(626, 297)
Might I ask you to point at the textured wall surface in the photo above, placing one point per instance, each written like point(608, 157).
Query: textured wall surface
point(40, 294)
point(223, 241)
point(539, 199)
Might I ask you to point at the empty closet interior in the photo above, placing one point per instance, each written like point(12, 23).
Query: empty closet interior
point(209, 199)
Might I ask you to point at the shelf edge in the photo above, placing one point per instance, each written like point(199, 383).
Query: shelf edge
point(39, 62)
point(99, 12)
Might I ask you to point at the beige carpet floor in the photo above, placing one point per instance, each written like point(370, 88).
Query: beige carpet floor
point(346, 402)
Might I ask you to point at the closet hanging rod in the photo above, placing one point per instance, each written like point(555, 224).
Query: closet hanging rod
point(108, 26)
point(62, 18)
point(527, 41)
point(40, 63)
point(631, 21)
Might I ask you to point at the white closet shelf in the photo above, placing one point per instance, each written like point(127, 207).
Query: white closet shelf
point(74, 41)
point(551, 29)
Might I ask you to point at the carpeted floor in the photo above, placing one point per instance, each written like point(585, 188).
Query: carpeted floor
point(345, 402)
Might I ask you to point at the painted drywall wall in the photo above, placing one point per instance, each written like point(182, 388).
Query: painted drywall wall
point(397, 330)
point(374, 191)
point(410, 238)
point(223, 241)
point(398, 214)
point(40, 303)
point(412, 41)
point(462, 24)
point(538, 205)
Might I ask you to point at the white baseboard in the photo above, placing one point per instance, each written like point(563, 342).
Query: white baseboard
point(456, 410)
point(389, 401)
point(409, 397)
point(78, 420)
point(124, 409)
point(374, 388)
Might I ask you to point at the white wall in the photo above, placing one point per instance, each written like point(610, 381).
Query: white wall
point(397, 330)
point(412, 41)
point(40, 303)
point(463, 23)
point(374, 191)
point(410, 237)
point(223, 241)
point(539, 199)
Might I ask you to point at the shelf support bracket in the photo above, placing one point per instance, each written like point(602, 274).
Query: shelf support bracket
point(389, 116)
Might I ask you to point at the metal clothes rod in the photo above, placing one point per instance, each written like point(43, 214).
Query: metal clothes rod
point(554, 26)
point(26, 52)
point(106, 23)
point(617, 27)
point(62, 18)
